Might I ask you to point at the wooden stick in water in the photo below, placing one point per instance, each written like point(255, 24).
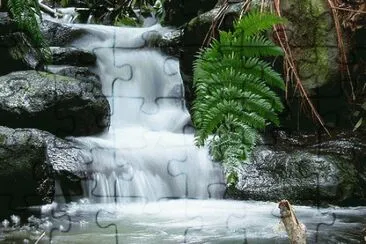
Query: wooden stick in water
point(43, 234)
point(296, 231)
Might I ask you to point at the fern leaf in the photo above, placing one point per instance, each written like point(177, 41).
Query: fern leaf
point(233, 85)
point(255, 22)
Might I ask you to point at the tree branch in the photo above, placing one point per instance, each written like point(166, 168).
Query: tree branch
point(296, 231)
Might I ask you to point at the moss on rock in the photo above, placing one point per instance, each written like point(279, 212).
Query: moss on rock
point(313, 40)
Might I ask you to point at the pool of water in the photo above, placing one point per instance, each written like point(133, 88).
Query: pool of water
point(194, 221)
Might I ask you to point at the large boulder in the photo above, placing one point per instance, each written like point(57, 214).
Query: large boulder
point(307, 169)
point(313, 41)
point(58, 104)
point(30, 161)
point(26, 177)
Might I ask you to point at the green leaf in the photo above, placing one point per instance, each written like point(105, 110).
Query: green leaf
point(358, 124)
point(232, 84)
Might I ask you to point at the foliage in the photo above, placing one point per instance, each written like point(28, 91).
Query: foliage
point(159, 9)
point(233, 90)
point(360, 114)
point(64, 3)
point(26, 14)
point(123, 12)
point(125, 21)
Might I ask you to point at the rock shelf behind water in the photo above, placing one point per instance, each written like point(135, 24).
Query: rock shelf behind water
point(58, 104)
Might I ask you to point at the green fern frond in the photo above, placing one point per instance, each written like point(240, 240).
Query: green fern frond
point(255, 22)
point(233, 85)
point(255, 46)
point(207, 63)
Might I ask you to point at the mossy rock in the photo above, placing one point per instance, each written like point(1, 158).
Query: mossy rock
point(313, 40)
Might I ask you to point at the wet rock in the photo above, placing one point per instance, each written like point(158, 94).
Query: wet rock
point(169, 43)
point(79, 73)
point(306, 169)
point(30, 161)
point(58, 104)
point(58, 34)
point(25, 176)
point(72, 56)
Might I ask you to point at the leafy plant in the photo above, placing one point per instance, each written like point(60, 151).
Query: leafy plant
point(125, 21)
point(159, 10)
point(233, 91)
point(26, 14)
point(122, 12)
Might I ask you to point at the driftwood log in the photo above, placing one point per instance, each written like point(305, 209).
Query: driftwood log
point(296, 231)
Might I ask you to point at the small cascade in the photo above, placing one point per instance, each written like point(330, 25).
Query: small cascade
point(148, 154)
point(69, 15)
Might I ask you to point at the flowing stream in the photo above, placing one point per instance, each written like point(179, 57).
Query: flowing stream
point(150, 183)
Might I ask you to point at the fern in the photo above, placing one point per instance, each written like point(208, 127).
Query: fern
point(233, 87)
point(26, 14)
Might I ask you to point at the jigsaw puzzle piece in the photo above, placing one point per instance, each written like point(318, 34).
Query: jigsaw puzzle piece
point(125, 173)
point(111, 227)
point(61, 223)
point(217, 190)
point(236, 224)
point(216, 221)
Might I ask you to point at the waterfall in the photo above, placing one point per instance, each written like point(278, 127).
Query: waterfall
point(148, 153)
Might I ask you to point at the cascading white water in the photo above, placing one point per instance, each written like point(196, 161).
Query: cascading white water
point(148, 153)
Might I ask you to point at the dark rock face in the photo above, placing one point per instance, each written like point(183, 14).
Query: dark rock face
point(16, 50)
point(26, 177)
point(30, 161)
point(179, 12)
point(306, 170)
point(72, 56)
point(6, 24)
point(170, 43)
point(58, 104)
